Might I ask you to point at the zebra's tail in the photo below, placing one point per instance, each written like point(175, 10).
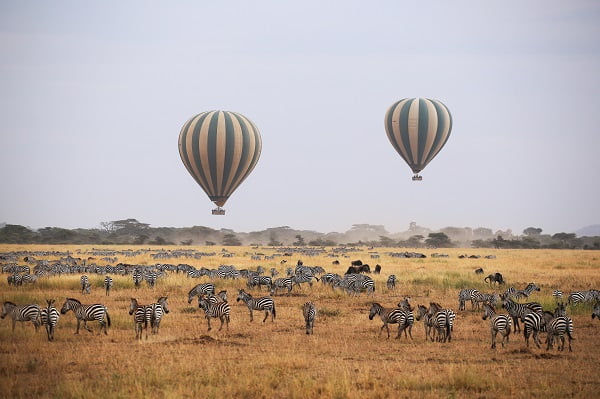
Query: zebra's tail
point(274, 313)
point(107, 316)
point(448, 329)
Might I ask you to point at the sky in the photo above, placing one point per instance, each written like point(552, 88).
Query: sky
point(93, 96)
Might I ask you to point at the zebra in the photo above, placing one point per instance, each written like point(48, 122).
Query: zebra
point(492, 299)
point(28, 278)
point(398, 316)
point(258, 280)
point(468, 294)
point(405, 304)
point(443, 322)
point(139, 318)
point(49, 318)
point(220, 297)
point(499, 323)
point(535, 322)
point(21, 313)
point(214, 310)
point(201, 289)
point(524, 293)
point(309, 311)
point(558, 327)
point(265, 303)
point(422, 313)
point(596, 311)
point(583, 296)
point(519, 310)
point(138, 277)
point(391, 282)
point(85, 284)
point(303, 277)
point(558, 295)
point(154, 313)
point(274, 272)
point(87, 313)
point(151, 277)
point(108, 283)
point(364, 284)
point(281, 283)
point(330, 278)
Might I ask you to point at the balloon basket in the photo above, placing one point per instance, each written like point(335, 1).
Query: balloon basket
point(417, 178)
point(218, 211)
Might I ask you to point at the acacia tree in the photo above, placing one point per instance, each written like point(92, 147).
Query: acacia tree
point(438, 240)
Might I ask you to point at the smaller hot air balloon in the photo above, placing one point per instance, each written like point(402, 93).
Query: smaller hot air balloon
point(219, 149)
point(418, 128)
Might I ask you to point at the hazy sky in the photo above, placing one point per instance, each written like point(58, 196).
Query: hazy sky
point(93, 96)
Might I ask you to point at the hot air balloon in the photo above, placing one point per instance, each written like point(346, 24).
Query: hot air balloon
point(219, 149)
point(418, 128)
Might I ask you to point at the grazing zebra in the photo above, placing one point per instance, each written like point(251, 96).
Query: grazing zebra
point(265, 303)
point(309, 311)
point(583, 296)
point(21, 313)
point(524, 293)
point(201, 289)
point(535, 322)
point(85, 284)
point(330, 278)
point(558, 327)
point(214, 310)
point(138, 277)
point(87, 313)
point(155, 312)
point(258, 280)
point(499, 323)
point(519, 310)
point(300, 278)
point(108, 283)
point(391, 282)
point(28, 278)
point(596, 311)
point(139, 318)
point(281, 283)
point(49, 317)
point(468, 294)
point(403, 318)
point(481, 297)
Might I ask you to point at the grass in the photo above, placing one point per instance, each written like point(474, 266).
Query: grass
point(343, 359)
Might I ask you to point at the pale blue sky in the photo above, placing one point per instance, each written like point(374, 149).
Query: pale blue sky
point(92, 98)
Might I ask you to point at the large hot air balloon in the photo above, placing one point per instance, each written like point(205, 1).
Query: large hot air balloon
point(219, 149)
point(418, 128)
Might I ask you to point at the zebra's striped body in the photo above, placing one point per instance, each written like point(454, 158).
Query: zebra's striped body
point(108, 283)
point(583, 296)
point(258, 280)
point(280, 284)
point(265, 303)
point(139, 318)
point(534, 323)
point(558, 295)
point(468, 294)
point(85, 284)
point(49, 317)
point(87, 313)
point(524, 293)
point(499, 323)
point(519, 310)
point(403, 318)
point(201, 289)
point(391, 282)
point(138, 277)
point(21, 313)
point(155, 312)
point(443, 322)
point(309, 311)
point(558, 327)
point(219, 310)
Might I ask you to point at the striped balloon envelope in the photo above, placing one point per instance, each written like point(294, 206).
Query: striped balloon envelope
point(418, 128)
point(219, 149)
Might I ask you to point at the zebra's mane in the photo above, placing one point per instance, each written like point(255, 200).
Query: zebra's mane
point(10, 303)
point(74, 300)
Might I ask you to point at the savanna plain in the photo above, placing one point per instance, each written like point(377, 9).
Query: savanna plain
point(344, 358)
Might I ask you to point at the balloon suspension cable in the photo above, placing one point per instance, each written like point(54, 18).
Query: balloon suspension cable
point(218, 211)
point(417, 177)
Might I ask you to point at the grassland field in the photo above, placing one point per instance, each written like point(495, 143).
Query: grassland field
point(344, 358)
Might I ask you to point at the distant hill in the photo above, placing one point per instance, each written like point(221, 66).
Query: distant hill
point(589, 231)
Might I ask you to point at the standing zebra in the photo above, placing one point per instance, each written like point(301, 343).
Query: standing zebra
point(499, 323)
point(201, 289)
point(138, 277)
point(21, 313)
point(85, 284)
point(154, 313)
point(534, 323)
point(309, 311)
point(214, 310)
point(558, 327)
point(468, 294)
point(87, 313)
point(392, 316)
point(139, 318)
point(391, 282)
point(49, 316)
point(583, 296)
point(519, 310)
point(281, 283)
point(265, 303)
point(558, 295)
point(443, 322)
point(108, 283)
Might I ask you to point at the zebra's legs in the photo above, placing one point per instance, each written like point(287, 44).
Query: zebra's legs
point(208, 320)
point(494, 332)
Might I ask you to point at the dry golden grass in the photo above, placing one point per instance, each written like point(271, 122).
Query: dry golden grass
point(344, 358)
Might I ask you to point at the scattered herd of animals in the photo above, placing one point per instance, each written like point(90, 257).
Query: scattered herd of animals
point(438, 321)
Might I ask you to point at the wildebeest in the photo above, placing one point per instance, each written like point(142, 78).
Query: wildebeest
point(494, 278)
point(358, 269)
point(479, 271)
point(356, 263)
point(377, 269)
